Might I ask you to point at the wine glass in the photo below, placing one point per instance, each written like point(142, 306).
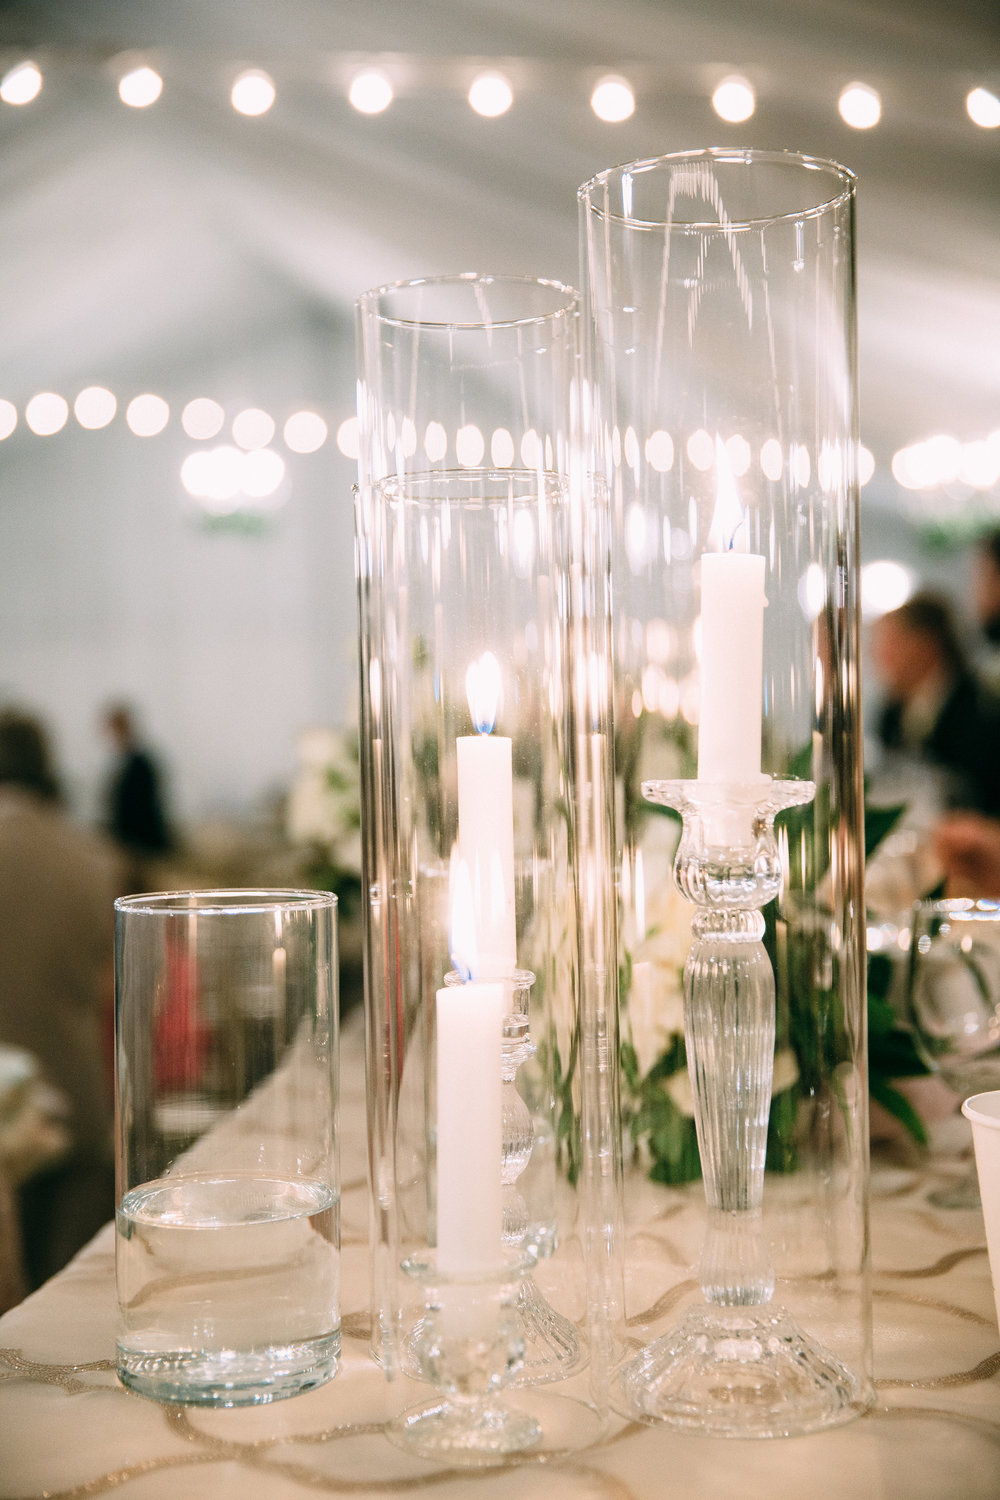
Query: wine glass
point(953, 999)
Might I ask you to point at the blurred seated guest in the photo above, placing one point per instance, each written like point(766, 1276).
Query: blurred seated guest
point(986, 604)
point(935, 711)
point(57, 885)
point(33, 1136)
point(968, 848)
point(135, 810)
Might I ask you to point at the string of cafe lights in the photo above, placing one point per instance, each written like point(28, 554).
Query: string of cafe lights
point(490, 93)
point(938, 463)
point(244, 476)
point(246, 467)
point(934, 464)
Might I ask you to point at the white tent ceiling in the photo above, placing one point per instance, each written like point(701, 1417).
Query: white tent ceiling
point(135, 242)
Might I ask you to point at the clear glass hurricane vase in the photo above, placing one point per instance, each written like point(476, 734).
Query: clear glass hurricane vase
point(721, 357)
point(486, 749)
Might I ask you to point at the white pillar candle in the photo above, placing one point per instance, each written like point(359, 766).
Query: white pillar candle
point(486, 847)
point(469, 1127)
point(732, 666)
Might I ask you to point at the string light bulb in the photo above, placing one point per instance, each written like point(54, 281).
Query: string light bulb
point(734, 100)
point(46, 413)
point(860, 106)
point(371, 92)
point(613, 100)
point(253, 92)
point(140, 87)
point(21, 84)
point(491, 95)
point(983, 109)
point(94, 407)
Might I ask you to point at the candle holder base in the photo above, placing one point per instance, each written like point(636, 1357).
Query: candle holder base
point(462, 1433)
point(726, 1372)
point(553, 1348)
point(468, 1343)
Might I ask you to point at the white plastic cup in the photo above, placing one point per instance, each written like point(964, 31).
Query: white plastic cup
point(983, 1111)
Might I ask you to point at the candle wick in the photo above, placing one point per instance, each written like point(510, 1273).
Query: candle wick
point(733, 534)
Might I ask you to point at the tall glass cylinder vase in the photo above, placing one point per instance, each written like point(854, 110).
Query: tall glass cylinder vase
point(483, 567)
point(721, 324)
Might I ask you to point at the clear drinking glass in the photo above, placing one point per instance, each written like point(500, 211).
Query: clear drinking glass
point(953, 1004)
point(228, 1220)
point(720, 328)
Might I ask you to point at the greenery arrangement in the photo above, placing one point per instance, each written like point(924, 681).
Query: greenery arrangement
point(323, 816)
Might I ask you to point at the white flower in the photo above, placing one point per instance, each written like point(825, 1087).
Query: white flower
point(678, 1088)
point(323, 801)
point(655, 1001)
point(655, 1010)
point(786, 1070)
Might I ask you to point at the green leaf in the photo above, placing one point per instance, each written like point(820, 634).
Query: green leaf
point(881, 1016)
point(881, 972)
point(630, 1066)
point(894, 1056)
point(782, 1151)
point(880, 821)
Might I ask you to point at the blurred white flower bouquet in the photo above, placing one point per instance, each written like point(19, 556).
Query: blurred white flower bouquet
point(654, 1058)
point(323, 813)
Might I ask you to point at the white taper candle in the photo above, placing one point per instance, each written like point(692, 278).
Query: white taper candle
point(486, 847)
point(469, 1127)
point(732, 666)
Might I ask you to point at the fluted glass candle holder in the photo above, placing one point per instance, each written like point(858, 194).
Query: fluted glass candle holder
point(470, 1345)
point(721, 356)
point(483, 566)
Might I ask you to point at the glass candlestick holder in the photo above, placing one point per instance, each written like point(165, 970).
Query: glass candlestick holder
point(553, 1345)
point(469, 1345)
point(739, 1353)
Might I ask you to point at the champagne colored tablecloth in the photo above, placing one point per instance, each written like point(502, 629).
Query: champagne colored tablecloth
point(69, 1431)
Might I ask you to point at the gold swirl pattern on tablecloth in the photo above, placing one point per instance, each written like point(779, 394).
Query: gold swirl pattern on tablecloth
point(941, 1265)
point(610, 1469)
point(980, 1425)
point(14, 1366)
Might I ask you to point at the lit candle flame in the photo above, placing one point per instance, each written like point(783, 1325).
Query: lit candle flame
point(483, 687)
point(729, 514)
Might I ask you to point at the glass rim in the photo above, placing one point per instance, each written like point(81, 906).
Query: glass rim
point(971, 907)
point(228, 900)
point(569, 306)
point(740, 155)
point(481, 486)
point(423, 1268)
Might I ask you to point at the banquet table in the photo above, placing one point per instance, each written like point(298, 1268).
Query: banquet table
point(69, 1430)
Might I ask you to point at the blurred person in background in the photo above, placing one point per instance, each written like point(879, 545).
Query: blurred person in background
point(967, 846)
point(135, 817)
point(986, 604)
point(936, 714)
point(57, 886)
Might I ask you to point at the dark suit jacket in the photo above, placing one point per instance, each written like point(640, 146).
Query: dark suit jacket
point(964, 742)
point(136, 816)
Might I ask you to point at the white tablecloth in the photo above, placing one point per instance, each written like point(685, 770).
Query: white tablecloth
point(68, 1430)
